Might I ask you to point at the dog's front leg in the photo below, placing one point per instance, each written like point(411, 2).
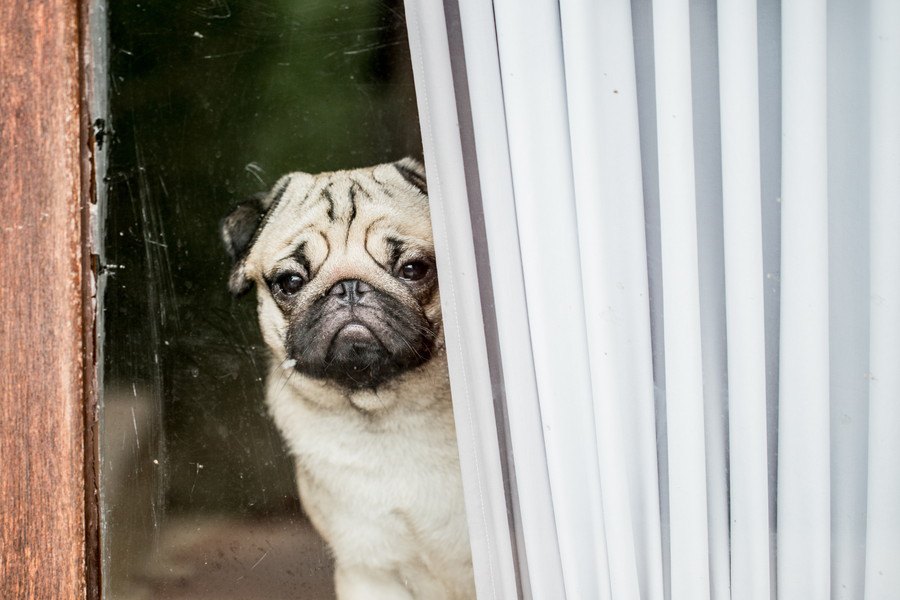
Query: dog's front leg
point(365, 583)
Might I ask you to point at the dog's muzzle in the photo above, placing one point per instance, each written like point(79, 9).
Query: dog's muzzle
point(359, 336)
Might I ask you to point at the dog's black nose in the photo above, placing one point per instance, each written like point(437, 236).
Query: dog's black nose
point(350, 291)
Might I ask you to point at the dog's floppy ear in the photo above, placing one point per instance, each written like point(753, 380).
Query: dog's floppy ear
point(413, 171)
point(238, 231)
point(240, 228)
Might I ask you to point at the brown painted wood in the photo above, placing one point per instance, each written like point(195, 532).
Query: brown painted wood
point(41, 351)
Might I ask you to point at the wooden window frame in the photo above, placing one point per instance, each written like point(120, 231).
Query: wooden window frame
point(49, 530)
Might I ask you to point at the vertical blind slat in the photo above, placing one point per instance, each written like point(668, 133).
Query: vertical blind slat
point(681, 302)
point(804, 519)
point(541, 566)
point(883, 532)
point(603, 122)
point(769, 61)
point(534, 96)
point(642, 32)
point(739, 107)
point(476, 425)
point(848, 283)
point(711, 265)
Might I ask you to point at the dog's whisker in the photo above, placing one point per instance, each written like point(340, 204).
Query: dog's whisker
point(285, 378)
point(409, 345)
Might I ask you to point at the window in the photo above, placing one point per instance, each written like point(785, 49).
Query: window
point(665, 233)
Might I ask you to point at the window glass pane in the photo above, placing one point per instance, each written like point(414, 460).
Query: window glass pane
point(211, 103)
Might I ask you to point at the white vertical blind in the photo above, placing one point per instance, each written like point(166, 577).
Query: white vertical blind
point(538, 535)
point(711, 268)
point(533, 81)
point(804, 486)
point(882, 578)
point(681, 302)
point(606, 162)
point(667, 425)
point(741, 186)
point(848, 231)
point(476, 423)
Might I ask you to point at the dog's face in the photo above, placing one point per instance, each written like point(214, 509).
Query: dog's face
point(343, 264)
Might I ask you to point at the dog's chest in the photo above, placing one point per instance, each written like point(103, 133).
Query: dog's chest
point(381, 495)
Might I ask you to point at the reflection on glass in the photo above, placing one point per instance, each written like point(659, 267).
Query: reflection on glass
point(211, 102)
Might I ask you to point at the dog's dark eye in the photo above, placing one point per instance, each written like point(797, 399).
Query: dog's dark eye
point(413, 271)
point(289, 284)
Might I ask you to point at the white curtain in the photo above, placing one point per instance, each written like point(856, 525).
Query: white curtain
point(669, 231)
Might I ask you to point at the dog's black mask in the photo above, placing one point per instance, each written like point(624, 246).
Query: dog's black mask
point(359, 337)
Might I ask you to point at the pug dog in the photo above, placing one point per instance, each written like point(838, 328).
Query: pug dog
point(348, 304)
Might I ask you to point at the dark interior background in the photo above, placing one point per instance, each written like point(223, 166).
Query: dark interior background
point(211, 101)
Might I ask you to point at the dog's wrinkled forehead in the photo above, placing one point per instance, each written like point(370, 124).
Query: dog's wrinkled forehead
point(346, 221)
